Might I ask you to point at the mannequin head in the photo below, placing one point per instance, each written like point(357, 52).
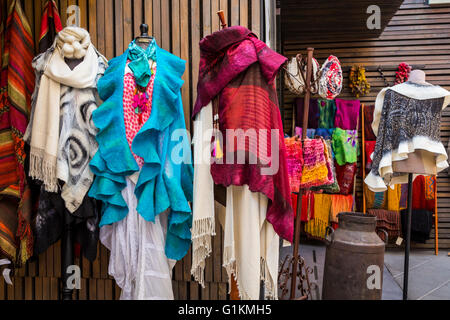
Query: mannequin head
point(418, 76)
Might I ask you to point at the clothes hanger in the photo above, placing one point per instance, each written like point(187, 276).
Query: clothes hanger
point(144, 39)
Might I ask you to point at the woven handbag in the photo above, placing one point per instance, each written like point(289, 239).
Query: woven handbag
point(295, 76)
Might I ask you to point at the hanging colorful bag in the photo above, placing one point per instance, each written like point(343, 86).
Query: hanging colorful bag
point(331, 79)
point(295, 75)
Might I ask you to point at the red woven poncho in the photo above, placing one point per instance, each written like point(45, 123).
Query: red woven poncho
point(239, 70)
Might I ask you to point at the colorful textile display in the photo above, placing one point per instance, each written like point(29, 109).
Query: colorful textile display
point(326, 134)
point(421, 224)
point(340, 204)
point(388, 221)
point(374, 200)
point(50, 26)
point(16, 87)
point(240, 69)
point(331, 80)
point(420, 199)
point(345, 146)
point(404, 196)
point(294, 160)
point(346, 177)
point(393, 198)
point(322, 208)
point(347, 114)
point(370, 148)
point(368, 119)
point(315, 169)
point(407, 117)
point(430, 185)
point(334, 187)
point(307, 213)
point(313, 115)
point(389, 200)
point(327, 111)
point(310, 133)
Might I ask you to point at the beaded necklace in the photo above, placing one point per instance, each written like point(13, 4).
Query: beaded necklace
point(141, 97)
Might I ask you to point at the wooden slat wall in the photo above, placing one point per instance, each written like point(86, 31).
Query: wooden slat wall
point(419, 35)
point(178, 26)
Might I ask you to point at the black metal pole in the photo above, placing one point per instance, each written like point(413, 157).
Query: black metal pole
point(408, 237)
point(67, 254)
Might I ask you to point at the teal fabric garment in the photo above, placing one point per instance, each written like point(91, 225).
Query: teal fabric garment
point(165, 182)
point(139, 62)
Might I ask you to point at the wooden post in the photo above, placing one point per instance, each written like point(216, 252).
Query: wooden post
point(223, 22)
point(234, 292)
point(300, 194)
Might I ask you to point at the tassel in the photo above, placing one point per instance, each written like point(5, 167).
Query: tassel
point(218, 153)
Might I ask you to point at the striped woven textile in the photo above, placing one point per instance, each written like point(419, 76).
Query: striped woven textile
point(50, 26)
point(16, 87)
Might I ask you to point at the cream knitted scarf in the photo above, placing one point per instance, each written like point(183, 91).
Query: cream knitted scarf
point(70, 43)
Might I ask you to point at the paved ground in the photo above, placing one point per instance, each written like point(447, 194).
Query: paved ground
point(429, 275)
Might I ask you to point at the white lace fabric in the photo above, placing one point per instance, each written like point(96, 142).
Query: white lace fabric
point(138, 261)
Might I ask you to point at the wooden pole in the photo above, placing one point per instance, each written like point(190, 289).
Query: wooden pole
point(223, 22)
point(363, 147)
point(300, 194)
point(234, 291)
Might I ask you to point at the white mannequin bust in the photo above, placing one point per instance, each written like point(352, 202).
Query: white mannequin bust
point(420, 161)
point(418, 76)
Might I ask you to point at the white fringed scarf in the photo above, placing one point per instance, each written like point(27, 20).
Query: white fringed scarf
point(251, 245)
point(72, 42)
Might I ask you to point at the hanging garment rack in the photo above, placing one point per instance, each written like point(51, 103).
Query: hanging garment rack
point(297, 226)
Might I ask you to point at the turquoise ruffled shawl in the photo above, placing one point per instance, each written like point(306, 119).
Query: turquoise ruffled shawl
point(165, 182)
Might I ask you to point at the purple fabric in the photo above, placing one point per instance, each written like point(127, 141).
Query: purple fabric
point(404, 196)
point(224, 55)
point(347, 114)
point(313, 116)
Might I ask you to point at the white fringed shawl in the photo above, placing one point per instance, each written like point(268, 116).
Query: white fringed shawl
point(46, 116)
point(251, 245)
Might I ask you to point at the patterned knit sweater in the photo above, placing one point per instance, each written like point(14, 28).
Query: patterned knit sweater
point(407, 117)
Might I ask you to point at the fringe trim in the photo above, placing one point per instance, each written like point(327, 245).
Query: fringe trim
point(317, 228)
point(271, 285)
point(233, 271)
point(202, 232)
point(43, 168)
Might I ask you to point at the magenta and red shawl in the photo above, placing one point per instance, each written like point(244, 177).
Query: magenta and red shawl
point(239, 70)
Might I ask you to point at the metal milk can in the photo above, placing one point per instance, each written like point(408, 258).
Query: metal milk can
point(354, 261)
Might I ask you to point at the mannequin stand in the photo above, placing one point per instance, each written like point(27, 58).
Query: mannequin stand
point(67, 253)
point(408, 238)
point(67, 247)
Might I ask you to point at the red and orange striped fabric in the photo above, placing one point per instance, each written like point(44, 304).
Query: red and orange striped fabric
point(16, 88)
point(51, 25)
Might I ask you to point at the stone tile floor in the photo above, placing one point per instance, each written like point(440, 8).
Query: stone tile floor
point(429, 275)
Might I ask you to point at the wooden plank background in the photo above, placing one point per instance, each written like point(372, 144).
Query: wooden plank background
point(178, 26)
point(419, 35)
